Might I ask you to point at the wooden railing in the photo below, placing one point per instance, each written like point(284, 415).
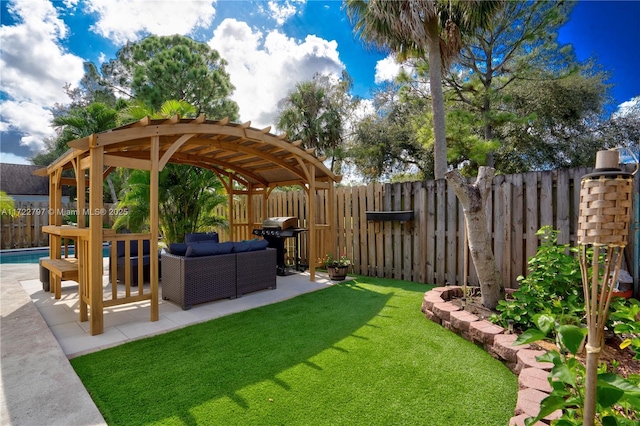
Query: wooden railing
point(132, 292)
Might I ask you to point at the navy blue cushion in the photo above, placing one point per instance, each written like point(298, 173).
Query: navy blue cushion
point(208, 249)
point(241, 246)
point(258, 244)
point(179, 249)
point(134, 261)
point(132, 244)
point(146, 248)
point(201, 236)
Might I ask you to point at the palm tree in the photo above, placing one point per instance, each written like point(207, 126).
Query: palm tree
point(187, 195)
point(83, 121)
point(138, 110)
point(412, 28)
point(315, 112)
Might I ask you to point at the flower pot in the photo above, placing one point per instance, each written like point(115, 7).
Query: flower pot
point(628, 294)
point(337, 273)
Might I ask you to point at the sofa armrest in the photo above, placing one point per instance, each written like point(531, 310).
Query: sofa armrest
point(256, 270)
point(189, 281)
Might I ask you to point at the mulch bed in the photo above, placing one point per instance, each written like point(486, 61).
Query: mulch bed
point(626, 364)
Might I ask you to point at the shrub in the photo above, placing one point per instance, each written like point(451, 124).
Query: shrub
point(553, 286)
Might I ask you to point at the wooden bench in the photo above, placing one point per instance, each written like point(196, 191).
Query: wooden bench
point(62, 270)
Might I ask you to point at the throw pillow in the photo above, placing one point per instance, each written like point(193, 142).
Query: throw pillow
point(201, 236)
point(179, 249)
point(258, 245)
point(208, 249)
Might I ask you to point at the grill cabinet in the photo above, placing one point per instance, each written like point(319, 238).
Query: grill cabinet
point(276, 230)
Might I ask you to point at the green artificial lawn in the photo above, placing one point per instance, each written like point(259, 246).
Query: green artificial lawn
point(356, 353)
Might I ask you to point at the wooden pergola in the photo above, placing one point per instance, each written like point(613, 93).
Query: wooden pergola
point(247, 160)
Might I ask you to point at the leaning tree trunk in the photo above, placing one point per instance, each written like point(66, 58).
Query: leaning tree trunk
point(473, 199)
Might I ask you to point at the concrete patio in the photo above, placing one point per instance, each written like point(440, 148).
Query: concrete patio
point(39, 335)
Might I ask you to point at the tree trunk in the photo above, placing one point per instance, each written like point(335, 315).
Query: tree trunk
point(112, 189)
point(437, 99)
point(473, 199)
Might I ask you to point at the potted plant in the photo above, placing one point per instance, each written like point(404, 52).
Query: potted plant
point(337, 267)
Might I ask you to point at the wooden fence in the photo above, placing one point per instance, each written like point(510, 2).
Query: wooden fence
point(432, 248)
point(25, 229)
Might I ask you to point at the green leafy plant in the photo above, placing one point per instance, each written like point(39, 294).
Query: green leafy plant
point(626, 322)
point(331, 262)
point(617, 397)
point(553, 286)
point(568, 331)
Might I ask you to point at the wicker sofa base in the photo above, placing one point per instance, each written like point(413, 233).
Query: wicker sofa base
point(189, 281)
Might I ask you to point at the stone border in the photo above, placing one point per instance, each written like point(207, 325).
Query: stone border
point(532, 375)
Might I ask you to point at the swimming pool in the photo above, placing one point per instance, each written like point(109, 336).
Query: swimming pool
point(33, 255)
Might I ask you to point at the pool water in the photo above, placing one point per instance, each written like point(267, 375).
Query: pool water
point(34, 255)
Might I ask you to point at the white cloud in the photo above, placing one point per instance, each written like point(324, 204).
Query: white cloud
point(365, 109)
point(35, 69)
point(387, 69)
point(6, 157)
point(264, 68)
point(629, 107)
point(31, 119)
point(130, 20)
point(281, 11)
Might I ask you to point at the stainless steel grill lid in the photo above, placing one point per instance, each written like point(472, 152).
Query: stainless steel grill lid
point(281, 222)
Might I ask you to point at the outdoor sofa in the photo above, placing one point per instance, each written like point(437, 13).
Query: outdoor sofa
point(205, 270)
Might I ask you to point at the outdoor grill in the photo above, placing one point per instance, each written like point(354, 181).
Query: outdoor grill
point(276, 230)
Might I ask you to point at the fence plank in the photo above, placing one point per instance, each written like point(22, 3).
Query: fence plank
point(430, 233)
point(498, 219)
point(518, 261)
point(407, 264)
point(377, 226)
point(396, 232)
point(388, 243)
point(371, 236)
point(419, 234)
point(450, 235)
point(546, 199)
point(562, 220)
point(364, 258)
point(348, 208)
point(532, 217)
point(506, 230)
point(441, 227)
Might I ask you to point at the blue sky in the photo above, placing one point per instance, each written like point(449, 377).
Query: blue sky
point(270, 45)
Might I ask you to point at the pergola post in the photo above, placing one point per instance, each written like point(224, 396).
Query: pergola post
point(331, 217)
point(82, 223)
point(95, 266)
point(154, 223)
point(55, 201)
point(311, 222)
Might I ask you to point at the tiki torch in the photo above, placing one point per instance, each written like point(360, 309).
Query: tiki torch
point(603, 224)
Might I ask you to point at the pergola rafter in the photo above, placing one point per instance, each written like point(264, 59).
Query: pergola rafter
point(253, 158)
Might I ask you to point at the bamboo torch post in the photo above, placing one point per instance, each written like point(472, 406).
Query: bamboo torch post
point(603, 223)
